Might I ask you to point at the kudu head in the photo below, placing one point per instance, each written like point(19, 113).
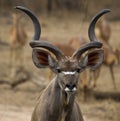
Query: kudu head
point(66, 68)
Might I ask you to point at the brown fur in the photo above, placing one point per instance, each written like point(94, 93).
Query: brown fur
point(66, 48)
point(103, 30)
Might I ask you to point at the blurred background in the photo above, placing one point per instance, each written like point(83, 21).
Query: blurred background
point(65, 24)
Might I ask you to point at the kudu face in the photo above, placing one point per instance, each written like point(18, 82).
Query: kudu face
point(68, 74)
point(66, 68)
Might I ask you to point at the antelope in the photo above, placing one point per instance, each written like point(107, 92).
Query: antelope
point(18, 39)
point(103, 32)
point(57, 101)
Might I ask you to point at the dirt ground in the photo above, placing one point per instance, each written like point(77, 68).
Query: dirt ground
point(17, 104)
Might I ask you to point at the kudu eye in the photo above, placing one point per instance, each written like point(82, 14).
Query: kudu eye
point(58, 70)
point(78, 70)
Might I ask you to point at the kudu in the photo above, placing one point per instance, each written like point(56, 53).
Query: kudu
point(57, 102)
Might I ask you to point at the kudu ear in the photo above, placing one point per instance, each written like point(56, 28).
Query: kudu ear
point(93, 59)
point(42, 58)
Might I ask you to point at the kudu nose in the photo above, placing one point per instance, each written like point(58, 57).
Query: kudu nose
point(70, 88)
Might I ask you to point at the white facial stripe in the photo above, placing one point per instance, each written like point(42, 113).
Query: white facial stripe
point(68, 90)
point(69, 72)
point(74, 89)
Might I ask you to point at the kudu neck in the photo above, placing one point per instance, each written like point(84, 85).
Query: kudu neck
point(63, 95)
